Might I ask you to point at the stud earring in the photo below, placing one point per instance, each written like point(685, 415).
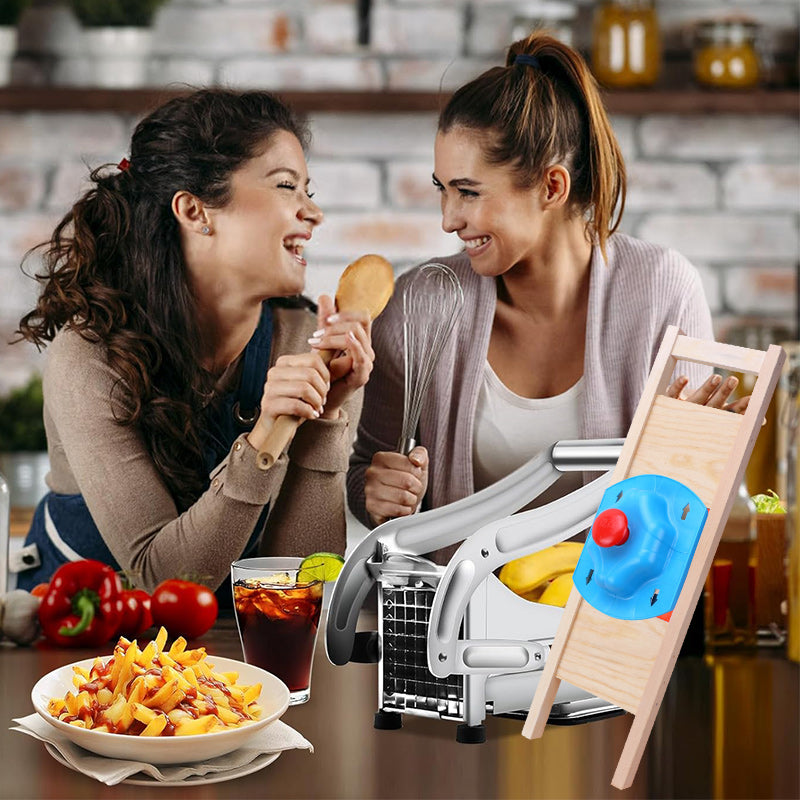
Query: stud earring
point(205, 230)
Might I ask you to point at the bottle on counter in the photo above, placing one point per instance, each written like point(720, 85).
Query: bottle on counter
point(626, 44)
point(730, 586)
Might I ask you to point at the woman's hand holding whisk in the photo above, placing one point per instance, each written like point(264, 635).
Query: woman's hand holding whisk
point(395, 484)
point(349, 334)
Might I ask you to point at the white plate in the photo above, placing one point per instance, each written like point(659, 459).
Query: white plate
point(274, 700)
point(259, 762)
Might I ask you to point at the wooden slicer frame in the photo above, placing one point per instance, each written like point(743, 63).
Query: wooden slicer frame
point(629, 662)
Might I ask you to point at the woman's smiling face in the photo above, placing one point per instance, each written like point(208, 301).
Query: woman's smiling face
point(499, 222)
point(262, 230)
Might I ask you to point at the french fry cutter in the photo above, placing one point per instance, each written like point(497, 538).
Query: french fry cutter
point(494, 657)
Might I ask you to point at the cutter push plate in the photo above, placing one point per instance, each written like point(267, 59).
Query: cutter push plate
point(641, 576)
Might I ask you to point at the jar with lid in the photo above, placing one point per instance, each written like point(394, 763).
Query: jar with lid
point(626, 43)
point(725, 55)
point(556, 18)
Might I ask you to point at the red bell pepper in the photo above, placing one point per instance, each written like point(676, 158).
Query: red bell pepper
point(137, 616)
point(83, 606)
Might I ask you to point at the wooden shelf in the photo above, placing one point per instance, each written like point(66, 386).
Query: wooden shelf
point(661, 101)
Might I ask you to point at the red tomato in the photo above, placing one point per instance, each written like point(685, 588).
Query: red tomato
point(40, 590)
point(137, 616)
point(184, 608)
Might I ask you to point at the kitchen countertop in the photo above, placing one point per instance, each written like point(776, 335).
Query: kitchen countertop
point(728, 727)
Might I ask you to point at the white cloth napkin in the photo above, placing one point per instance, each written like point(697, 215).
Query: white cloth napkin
point(275, 738)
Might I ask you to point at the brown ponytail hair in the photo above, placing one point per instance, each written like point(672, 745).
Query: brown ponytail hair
point(547, 112)
point(114, 269)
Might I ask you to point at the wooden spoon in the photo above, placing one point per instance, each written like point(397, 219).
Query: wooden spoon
point(366, 285)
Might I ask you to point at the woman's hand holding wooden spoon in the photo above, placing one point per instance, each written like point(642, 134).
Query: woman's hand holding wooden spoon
point(364, 288)
point(304, 386)
point(349, 335)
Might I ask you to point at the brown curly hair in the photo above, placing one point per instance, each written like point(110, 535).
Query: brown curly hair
point(114, 269)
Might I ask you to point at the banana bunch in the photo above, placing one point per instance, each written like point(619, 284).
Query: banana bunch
point(544, 576)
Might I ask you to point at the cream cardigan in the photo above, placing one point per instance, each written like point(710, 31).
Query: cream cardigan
point(632, 299)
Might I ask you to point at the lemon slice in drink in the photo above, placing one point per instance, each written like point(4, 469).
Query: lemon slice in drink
point(320, 567)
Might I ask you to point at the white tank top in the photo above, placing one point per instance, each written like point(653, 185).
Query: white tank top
point(510, 430)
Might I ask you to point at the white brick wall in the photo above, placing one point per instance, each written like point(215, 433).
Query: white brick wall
point(761, 290)
point(227, 30)
point(656, 186)
point(429, 29)
point(345, 185)
point(21, 232)
point(52, 137)
point(381, 136)
point(331, 28)
point(724, 237)
point(428, 74)
point(762, 186)
point(22, 186)
point(398, 235)
point(720, 137)
point(302, 73)
point(410, 185)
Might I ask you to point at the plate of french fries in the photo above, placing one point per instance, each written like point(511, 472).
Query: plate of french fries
point(160, 705)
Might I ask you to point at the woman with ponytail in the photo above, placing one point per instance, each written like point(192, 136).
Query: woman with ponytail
point(563, 314)
point(171, 305)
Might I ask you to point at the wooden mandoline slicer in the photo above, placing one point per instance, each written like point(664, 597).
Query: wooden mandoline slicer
point(629, 661)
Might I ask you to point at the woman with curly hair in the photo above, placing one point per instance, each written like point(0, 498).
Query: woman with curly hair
point(176, 334)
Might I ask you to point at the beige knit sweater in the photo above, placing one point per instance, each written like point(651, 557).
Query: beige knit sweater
point(108, 464)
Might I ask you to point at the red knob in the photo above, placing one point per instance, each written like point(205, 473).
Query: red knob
point(610, 528)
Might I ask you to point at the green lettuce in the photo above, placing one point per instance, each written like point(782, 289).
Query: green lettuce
point(769, 503)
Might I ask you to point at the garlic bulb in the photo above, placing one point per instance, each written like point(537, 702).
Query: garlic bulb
point(19, 616)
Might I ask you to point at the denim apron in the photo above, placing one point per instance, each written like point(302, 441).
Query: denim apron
point(62, 528)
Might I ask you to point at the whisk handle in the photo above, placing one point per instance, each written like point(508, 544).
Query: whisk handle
point(406, 445)
point(282, 430)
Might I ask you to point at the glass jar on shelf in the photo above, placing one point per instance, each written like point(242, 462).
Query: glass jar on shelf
point(626, 43)
point(725, 55)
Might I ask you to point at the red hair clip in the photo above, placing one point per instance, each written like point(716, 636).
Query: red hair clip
point(123, 165)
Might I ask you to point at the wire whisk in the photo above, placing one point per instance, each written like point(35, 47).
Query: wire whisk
point(432, 303)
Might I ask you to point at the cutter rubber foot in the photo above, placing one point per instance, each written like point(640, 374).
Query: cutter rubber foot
point(387, 721)
point(470, 734)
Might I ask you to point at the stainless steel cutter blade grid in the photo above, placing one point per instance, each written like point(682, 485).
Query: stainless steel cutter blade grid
point(407, 682)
